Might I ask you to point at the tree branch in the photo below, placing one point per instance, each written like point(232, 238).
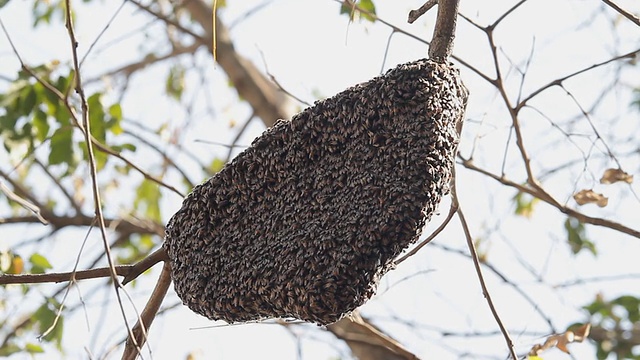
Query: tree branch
point(130, 272)
point(476, 263)
point(367, 341)
point(266, 100)
point(121, 270)
point(445, 31)
point(141, 328)
point(551, 201)
point(415, 14)
point(634, 19)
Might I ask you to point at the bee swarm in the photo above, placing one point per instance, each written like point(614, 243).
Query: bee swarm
point(305, 221)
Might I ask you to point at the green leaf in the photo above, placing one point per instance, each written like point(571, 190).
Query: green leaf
point(352, 10)
point(631, 304)
point(33, 348)
point(524, 204)
point(61, 147)
point(9, 348)
point(115, 111)
point(39, 263)
point(45, 317)
point(216, 165)
point(97, 117)
point(148, 199)
point(3, 3)
point(28, 101)
point(41, 124)
point(576, 236)
point(175, 83)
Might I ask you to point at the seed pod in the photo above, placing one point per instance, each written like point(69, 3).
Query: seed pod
point(304, 222)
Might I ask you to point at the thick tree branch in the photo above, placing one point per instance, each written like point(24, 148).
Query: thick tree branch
point(130, 272)
point(140, 330)
point(441, 45)
point(264, 97)
point(367, 341)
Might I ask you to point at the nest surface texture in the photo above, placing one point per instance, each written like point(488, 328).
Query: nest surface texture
point(304, 222)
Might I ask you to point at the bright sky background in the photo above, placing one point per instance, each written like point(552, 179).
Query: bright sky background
point(312, 50)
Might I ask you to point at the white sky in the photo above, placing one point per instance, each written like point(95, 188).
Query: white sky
point(310, 50)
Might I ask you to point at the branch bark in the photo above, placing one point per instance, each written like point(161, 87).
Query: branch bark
point(141, 328)
point(441, 45)
point(264, 97)
point(367, 341)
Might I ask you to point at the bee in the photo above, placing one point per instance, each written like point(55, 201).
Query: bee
point(305, 221)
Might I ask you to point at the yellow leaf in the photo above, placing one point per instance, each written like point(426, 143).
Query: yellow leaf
point(17, 265)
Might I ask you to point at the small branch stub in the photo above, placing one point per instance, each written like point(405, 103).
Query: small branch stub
point(415, 14)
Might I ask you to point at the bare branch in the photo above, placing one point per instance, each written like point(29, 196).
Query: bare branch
point(630, 55)
point(441, 45)
point(130, 272)
point(452, 210)
point(86, 129)
point(141, 329)
point(476, 263)
point(121, 225)
point(145, 264)
point(368, 342)
point(551, 201)
point(120, 270)
point(634, 19)
point(150, 59)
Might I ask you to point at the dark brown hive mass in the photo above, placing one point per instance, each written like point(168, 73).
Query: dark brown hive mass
point(305, 221)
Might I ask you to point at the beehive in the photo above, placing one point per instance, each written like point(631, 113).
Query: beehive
point(305, 221)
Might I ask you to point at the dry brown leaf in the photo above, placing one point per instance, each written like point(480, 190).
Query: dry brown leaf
point(582, 332)
point(561, 341)
point(583, 197)
point(611, 176)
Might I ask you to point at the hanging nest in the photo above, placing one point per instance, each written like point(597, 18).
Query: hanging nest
point(304, 222)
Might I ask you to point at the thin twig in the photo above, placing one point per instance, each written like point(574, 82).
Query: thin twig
point(86, 129)
point(452, 210)
point(59, 185)
point(169, 21)
point(630, 55)
point(483, 285)
point(551, 201)
point(23, 202)
point(236, 138)
point(164, 155)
